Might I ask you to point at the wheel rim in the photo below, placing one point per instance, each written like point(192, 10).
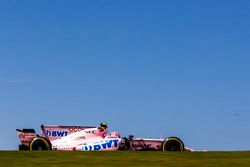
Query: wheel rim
point(173, 145)
point(39, 145)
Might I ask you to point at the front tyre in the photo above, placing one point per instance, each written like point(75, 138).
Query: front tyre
point(40, 144)
point(173, 144)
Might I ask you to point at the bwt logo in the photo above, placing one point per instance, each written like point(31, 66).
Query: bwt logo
point(56, 133)
point(101, 146)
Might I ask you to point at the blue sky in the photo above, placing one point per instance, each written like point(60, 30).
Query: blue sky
point(177, 68)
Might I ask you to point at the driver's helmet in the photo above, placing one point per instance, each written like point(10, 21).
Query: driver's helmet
point(103, 125)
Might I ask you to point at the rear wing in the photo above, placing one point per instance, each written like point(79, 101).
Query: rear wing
point(50, 132)
point(26, 135)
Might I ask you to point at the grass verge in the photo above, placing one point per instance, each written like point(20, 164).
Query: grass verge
point(95, 159)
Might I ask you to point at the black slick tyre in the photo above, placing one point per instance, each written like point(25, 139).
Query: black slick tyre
point(173, 144)
point(40, 144)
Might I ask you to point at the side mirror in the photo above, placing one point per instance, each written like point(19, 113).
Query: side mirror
point(130, 137)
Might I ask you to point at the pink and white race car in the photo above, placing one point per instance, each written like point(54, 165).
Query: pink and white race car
point(89, 138)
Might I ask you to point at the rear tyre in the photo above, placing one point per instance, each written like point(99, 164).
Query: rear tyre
point(173, 144)
point(40, 144)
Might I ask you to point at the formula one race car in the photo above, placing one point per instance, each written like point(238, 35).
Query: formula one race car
point(88, 138)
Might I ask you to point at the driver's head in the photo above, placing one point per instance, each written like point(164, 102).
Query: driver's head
point(103, 125)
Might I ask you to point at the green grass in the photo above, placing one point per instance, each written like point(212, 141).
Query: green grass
point(95, 159)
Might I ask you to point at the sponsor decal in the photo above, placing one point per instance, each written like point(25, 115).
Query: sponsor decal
point(74, 129)
point(24, 135)
point(61, 148)
point(91, 131)
point(141, 145)
point(81, 138)
point(21, 135)
point(56, 133)
point(101, 146)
